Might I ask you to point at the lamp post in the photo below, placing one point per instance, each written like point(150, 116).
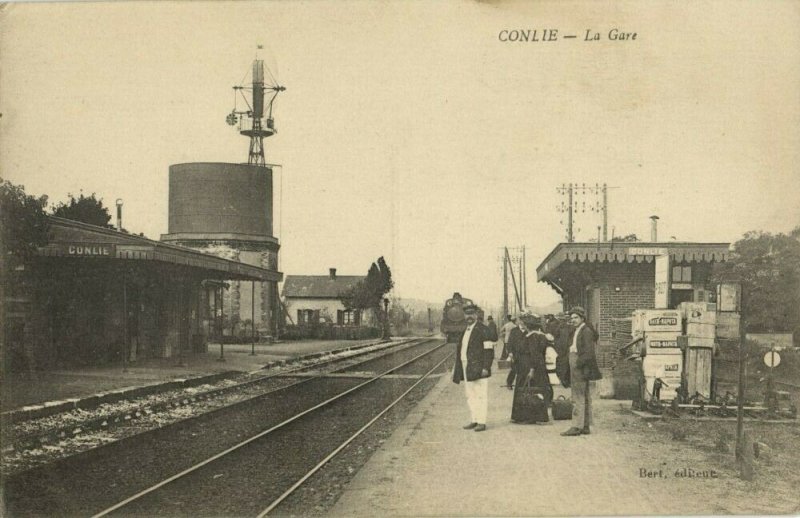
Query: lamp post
point(386, 319)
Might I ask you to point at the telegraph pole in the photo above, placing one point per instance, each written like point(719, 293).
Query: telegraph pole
point(523, 279)
point(513, 279)
point(505, 287)
point(573, 192)
point(605, 213)
point(567, 189)
point(570, 239)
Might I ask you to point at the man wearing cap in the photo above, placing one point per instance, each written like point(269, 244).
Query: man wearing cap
point(474, 356)
point(583, 372)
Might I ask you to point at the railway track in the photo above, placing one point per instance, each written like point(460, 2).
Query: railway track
point(793, 386)
point(51, 435)
point(263, 443)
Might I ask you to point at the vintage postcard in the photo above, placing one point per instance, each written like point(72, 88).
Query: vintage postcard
point(248, 248)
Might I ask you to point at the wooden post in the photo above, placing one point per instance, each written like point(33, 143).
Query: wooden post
point(253, 317)
point(183, 324)
point(218, 313)
point(743, 459)
point(124, 322)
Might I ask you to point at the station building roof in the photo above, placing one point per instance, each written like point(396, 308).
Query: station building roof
point(77, 240)
point(629, 252)
point(318, 286)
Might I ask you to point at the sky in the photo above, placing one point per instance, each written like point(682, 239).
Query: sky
point(411, 130)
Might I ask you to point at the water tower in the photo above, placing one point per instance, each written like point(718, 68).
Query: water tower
point(226, 209)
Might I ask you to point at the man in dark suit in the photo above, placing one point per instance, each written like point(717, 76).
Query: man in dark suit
point(561, 331)
point(583, 372)
point(492, 327)
point(474, 356)
point(515, 337)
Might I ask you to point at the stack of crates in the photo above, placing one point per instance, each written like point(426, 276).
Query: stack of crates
point(701, 322)
point(663, 357)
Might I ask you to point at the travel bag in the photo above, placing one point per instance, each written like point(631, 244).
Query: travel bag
point(529, 405)
point(562, 408)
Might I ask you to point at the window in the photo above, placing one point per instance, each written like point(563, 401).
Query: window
point(305, 317)
point(349, 317)
point(681, 274)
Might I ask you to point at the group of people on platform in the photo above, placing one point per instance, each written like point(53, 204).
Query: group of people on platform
point(527, 342)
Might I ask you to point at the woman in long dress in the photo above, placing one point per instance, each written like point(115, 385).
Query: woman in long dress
point(530, 363)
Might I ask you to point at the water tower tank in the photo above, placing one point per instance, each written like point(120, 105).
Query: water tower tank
point(220, 200)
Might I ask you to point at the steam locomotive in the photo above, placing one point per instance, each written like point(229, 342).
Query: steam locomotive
point(453, 321)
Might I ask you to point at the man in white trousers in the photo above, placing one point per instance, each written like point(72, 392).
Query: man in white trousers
point(474, 356)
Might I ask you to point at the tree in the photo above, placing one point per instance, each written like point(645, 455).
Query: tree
point(87, 209)
point(23, 229)
point(630, 238)
point(399, 315)
point(768, 266)
point(24, 224)
point(369, 292)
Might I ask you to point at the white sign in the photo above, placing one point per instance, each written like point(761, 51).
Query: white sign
point(772, 359)
point(662, 282)
point(647, 251)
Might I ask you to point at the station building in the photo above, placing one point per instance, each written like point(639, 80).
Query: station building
point(612, 279)
point(314, 308)
point(313, 299)
point(95, 295)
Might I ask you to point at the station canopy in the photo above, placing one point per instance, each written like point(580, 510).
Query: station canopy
point(566, 256)
point(73, 240)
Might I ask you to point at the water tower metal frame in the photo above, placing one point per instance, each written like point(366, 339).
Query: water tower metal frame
point(252, 122)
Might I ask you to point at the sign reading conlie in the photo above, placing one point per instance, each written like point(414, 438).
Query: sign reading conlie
point(106, 250)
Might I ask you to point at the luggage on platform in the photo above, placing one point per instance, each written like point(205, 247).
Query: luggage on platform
point(503, 364)
point(530, 405)
point(562, 408)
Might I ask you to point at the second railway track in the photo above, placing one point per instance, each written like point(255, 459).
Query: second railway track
point(131, 467)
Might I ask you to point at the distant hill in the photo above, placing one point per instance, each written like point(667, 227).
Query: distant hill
point(418, 305)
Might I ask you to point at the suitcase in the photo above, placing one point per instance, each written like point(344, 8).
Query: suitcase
point(503, 364)
point(562, 408)
point(529, 406)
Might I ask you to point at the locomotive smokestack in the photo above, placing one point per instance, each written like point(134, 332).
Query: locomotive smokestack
point(654, 229)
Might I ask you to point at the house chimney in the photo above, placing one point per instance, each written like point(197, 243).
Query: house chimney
point(654, 229)
point(119, 215)
point(332, 273)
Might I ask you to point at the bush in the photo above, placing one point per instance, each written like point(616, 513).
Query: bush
point(329, 332)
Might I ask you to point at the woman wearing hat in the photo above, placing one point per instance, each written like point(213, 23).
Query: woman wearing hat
point(531, 365)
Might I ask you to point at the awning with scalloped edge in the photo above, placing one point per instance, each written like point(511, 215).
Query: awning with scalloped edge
point(629, 253)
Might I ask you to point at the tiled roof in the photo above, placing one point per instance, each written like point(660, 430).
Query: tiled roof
point(318, 286)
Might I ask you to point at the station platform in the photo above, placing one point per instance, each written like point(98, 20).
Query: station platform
point(431, 466)
point(44, 387)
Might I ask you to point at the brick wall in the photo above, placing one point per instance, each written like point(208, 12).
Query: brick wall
point(636, 283)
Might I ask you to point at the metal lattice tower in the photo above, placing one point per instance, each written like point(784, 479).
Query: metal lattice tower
point(252, 122)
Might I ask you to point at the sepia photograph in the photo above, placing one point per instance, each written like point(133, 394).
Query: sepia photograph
point(399, 258)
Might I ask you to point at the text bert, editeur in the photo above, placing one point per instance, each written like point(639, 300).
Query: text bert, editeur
point(678, 473)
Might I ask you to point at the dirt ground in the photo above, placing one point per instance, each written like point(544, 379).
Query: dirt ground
point(684, 443)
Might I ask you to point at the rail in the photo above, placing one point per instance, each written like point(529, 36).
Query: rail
point(268, 431)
